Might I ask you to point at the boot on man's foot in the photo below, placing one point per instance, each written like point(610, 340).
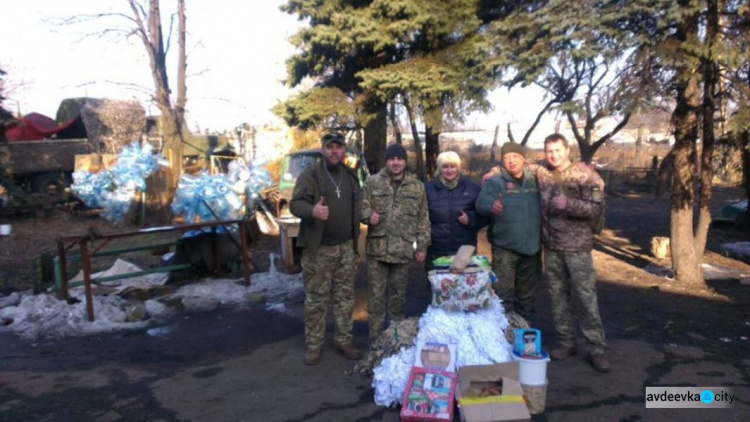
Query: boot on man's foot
point(312, 356)
point(349, 351)
point(562, 352)
point(600, 362)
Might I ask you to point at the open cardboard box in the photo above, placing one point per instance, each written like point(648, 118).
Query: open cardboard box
point(475, 380)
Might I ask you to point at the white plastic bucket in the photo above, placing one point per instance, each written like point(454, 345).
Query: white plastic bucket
point(532, 371)
point(4, 229)
point(536, 397)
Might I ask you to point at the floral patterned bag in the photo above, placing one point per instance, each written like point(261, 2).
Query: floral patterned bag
point(468, 291)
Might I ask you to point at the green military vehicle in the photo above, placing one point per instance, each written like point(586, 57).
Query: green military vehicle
point(292, 167)
point(197, 149)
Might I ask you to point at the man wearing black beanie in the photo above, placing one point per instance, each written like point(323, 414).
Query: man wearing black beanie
point(394, 205)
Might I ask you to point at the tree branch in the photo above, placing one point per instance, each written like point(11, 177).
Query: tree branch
point(599, 142)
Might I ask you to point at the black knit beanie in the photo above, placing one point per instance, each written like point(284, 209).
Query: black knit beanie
point(395, 150)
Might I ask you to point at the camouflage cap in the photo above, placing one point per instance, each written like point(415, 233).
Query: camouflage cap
point(332, 137)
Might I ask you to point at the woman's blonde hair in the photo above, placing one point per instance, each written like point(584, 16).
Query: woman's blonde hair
point(447, 157)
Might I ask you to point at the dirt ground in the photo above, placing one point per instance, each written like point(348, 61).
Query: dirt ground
point(659, 333)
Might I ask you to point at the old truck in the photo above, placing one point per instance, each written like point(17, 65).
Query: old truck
point(292, 167)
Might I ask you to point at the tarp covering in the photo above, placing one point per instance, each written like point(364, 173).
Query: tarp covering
point(36, 127)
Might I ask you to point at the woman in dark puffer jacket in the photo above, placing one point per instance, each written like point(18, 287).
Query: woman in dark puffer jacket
point(453, 218)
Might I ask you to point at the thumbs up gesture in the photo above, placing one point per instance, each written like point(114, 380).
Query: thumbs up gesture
point(497, 206)
point(463, 218)
point(375, 218)
point(320, 210)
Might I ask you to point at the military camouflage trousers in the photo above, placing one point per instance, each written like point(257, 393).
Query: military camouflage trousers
point(517, 280)
point(332, 269)
point(387, 291)
point(572, 274)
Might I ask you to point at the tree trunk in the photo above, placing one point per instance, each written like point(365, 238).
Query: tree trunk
point(181, 66)
point(394, 121)
point(415, 136)
point(376, 131)
point(685, 259)
point(432, 148)
point(494, 144)
point(151, 35)
point(587, 153)
point(664, 178)
point(710, 83)
point(745, 147)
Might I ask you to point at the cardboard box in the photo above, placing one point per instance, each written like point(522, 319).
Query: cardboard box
point(429, 396)
point(94, 162)
point(435, 355)
point(475, 380)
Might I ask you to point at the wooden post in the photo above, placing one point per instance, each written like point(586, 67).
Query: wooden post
point(243, 251)
point(63, 270)
point(86, 261)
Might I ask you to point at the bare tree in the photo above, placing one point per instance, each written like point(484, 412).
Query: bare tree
point(149, 30)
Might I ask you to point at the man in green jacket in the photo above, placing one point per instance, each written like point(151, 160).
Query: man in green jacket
point(511, 199)
point(394, 205)
point(327, 199)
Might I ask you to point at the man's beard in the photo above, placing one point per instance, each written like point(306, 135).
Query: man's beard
point(330, 165)
point(394, 174)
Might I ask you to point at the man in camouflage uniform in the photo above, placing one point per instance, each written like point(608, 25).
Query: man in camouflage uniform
point(394, 205)
point(571, 199)
point(327, 199)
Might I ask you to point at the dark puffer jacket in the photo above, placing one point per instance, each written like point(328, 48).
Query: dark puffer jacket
point(445, 207)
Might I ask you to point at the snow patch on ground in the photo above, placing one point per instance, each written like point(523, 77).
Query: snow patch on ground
point(44, 315)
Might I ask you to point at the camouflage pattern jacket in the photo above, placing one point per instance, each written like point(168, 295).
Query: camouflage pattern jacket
point(404, 218)
point(570, 229)
point(306, 194)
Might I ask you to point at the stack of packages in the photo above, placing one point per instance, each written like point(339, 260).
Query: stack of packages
point(114, 189)
point(532, 367)
point(465, 313)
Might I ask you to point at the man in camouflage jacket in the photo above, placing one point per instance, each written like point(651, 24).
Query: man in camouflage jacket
point(394, 206)
point(571, 198)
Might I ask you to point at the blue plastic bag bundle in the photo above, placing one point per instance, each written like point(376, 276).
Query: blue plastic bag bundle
point(117, 203)
point(206, 197)
point(134, 165)
point(211, 197)
point(91, 188)
point(113, 189)
point(253, 178)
